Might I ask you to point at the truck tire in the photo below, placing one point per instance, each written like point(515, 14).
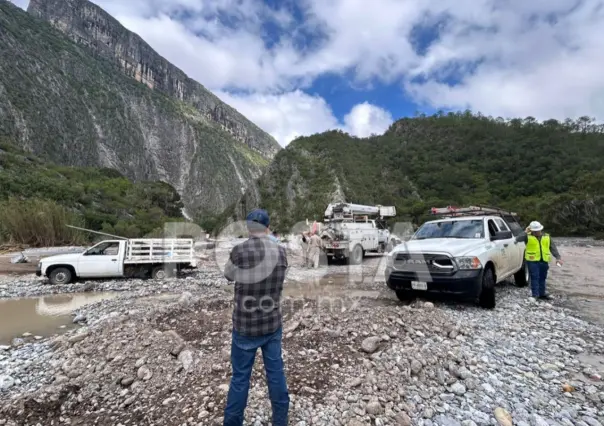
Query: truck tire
point(486, 299)
point(404, 295)
point(162, 272)
point(60, 275)
point(356, 256)
point(521, 278)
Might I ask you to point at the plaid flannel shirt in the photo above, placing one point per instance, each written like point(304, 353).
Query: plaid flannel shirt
point(258, 268)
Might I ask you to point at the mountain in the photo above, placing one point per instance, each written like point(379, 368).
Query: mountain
point(95, 198)
point(79, 89)
point(551, 171)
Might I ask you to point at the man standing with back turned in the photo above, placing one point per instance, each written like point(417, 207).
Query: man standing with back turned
point(538, 253)
point(258, 268)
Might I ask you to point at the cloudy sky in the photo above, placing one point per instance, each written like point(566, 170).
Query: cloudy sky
point(297, 67)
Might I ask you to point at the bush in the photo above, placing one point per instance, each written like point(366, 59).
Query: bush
point(39, 223)
point(102, 199)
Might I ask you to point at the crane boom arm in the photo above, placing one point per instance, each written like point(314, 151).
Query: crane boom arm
point(349, 209)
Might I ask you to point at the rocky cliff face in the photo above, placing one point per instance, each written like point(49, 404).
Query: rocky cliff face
point(89, 25)
point(64, 101)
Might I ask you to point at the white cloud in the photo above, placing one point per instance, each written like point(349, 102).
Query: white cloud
point(284, 116)
point(365, 120)
point(540, 58)
point(290, 115)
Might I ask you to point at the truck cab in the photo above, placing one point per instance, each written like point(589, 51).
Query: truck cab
point(103, 260)
point(463, 254)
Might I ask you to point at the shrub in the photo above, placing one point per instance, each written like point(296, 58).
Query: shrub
point(38, 223)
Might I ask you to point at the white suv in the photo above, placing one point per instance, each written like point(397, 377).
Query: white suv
point(462, 255)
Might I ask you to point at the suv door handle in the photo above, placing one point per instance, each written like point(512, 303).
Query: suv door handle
point(506, 244)
point(114, 260)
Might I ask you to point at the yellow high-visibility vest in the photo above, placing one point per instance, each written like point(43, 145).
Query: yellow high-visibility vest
point(535, 251)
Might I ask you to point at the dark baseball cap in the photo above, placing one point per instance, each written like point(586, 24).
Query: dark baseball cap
point(257, 216)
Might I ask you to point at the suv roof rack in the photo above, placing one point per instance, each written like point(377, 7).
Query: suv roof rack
point(451, 211)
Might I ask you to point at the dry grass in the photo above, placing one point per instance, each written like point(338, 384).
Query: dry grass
point(38, 223)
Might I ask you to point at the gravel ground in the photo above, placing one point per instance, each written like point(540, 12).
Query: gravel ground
point(356, 357)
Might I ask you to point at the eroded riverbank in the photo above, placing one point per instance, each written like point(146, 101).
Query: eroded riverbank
point(159, 353)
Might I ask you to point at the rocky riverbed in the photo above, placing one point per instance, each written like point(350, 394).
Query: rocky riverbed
point(158, 353)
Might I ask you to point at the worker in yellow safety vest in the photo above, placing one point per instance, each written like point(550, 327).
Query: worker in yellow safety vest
point(539, 250)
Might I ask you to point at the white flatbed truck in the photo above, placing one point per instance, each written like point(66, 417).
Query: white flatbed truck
point(155, 257)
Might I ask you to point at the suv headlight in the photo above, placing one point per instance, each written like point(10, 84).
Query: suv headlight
point(390, 259)
point(468, 263)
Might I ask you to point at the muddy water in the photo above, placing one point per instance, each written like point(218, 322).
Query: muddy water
point(42, 316)
point(332, 286)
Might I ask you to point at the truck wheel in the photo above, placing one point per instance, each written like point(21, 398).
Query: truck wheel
point(404, 296)
point(60, 276)
point(521, 278)
point(162, 272)
point(487, 293)
point(356, 257)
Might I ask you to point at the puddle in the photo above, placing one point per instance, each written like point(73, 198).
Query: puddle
point(333, 286)
point(43, 316)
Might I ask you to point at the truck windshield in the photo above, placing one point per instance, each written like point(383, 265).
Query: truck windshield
point(451, 229)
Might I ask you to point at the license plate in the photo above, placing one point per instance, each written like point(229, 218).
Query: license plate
point(419, 285)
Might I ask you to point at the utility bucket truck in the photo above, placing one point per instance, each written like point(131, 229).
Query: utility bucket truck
point(352, 230)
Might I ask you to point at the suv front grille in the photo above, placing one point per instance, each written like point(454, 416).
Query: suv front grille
point(424, 262)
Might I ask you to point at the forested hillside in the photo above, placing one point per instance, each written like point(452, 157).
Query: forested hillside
point(551, 171)
point(38, 198)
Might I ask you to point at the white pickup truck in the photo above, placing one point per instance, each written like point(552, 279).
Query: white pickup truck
point(464, 253)
point(155, 257)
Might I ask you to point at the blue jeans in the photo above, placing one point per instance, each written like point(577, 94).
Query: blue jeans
point(243, 354)
point(538, 272)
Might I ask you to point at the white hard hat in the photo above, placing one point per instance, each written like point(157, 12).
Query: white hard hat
point(535, 226)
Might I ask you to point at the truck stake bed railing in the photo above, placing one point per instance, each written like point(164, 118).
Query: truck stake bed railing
point(159, 250)
point(451, 211)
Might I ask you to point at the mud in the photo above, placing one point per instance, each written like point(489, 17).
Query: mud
point(33, 257)
point(580, 282)
point(40, 317)
point(7, 268)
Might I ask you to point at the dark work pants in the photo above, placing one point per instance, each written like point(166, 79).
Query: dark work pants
point(538, 271)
